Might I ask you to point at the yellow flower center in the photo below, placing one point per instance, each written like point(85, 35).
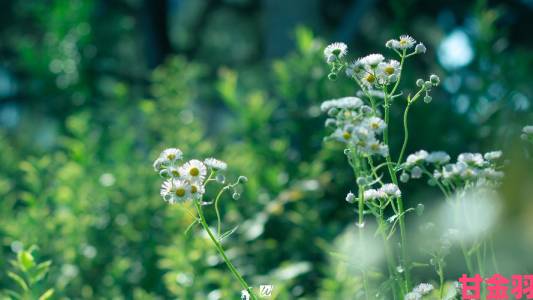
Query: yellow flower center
point(374, 125)
point(171, 156)
point(180, 192)
point(194, 189)
point(374, 147)
point(346, 135)
point(175, 173)
point(194, 171)
point(389, 70)
point(370, 78)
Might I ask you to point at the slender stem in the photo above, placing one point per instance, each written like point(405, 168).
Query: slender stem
point(394, 179)
point(360, 225)
point(405, 133)
point(221, 251)
point(391, 262)
point(441, 280)
point(217, 211)
point(493, 254)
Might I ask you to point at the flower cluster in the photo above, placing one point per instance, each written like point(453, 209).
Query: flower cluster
point(374, 71)
point(419, 291)
point(388, 190)
point(469, 167)
point(184, 181)
point(355, 124)
point(527, 133)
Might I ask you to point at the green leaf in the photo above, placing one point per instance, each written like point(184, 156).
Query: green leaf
point(19, 280)
point(227, 233)
point(47, 294)
point(26, 260)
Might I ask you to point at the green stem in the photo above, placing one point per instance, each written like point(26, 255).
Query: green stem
point(405, 133)
point(441, 280)
point(493, 254)
point(401, 219)
point(221, 251)
point(217, 211)
point(361, 225)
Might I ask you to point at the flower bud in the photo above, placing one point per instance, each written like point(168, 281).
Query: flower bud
point(236, 196)
point(420, 48)
point(427, 85)
point(419, 209)
point(427, 98)
point(347, 152)
point(332, 112)
point(350, 198)
point(330, 122)
point(362, 181)
point(221, 178)
point(404, 177)
point(242, 179)
point(332, 76)
point(419, 82)
point(435, 80)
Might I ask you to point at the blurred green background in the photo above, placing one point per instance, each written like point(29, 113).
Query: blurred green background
point(92, 91)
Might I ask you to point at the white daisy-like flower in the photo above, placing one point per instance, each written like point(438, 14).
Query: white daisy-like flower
point(388, 71)
point(369, 79)
point(171, 155)
point(336, 49)
point(375, 147)
point(493, 155)
point(175, 190)
point(342, 135)
point(469, 173)
point(416, 157)
point(341, 103)
point(475, 159)
point(412, 296)
point(375, 124)
point(372, 60)
point(423, 288)
point(528, 129)
point(173, 171)
point(391, 190)
point(405, 42)
point(215, 164)
point(492, 174)
point(438, 157)
point(196, 190)
point(194, 171)
point(355, 68)
point(372, 194)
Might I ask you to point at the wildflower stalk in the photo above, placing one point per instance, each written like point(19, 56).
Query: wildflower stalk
point(405, 131)
point(401, 220)
point(221, 251)
point(360, 225)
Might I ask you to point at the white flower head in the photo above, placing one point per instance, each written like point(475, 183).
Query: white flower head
point(215, 164)
point(196, 190)
point(341, 103)
point(423, 288)
point(373, 146)
point(475, 159)
point(493, 155)
point(369, 79)
point(372, 194)
point(528, 129)
point(375, 124)
point(355, 68)
point(372, 60)
point(175, 190)
point(416, 157)
point(404, 42)
point(438, 157)
point(412, 296)
point(388, 71)
point(391, 190)
point(171, 155)
point(336, 49)
point(194, 171)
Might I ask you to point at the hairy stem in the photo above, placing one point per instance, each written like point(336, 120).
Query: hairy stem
point(221, 251)
point(405, 133)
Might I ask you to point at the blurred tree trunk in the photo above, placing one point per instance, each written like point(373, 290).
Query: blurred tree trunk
point(157, 44)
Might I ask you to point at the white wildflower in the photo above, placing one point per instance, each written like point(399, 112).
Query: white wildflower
point(423, 288)
point(375, 124)
point(391, 190)
point(438, 157)
point(336, 49)
point(175, 190)
point(528, 129)
point(412, 296)
point(475, 159)
point(341, 103)
point(372, 194)
point(389, 71)
point(416, 157)
point(170, 156)
point(215, 164)
point(350, 198)
point(369, 79)
point(493, 155)
point(193, 170)
point(355, 68)
point(405, 42)
point(372, 60)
